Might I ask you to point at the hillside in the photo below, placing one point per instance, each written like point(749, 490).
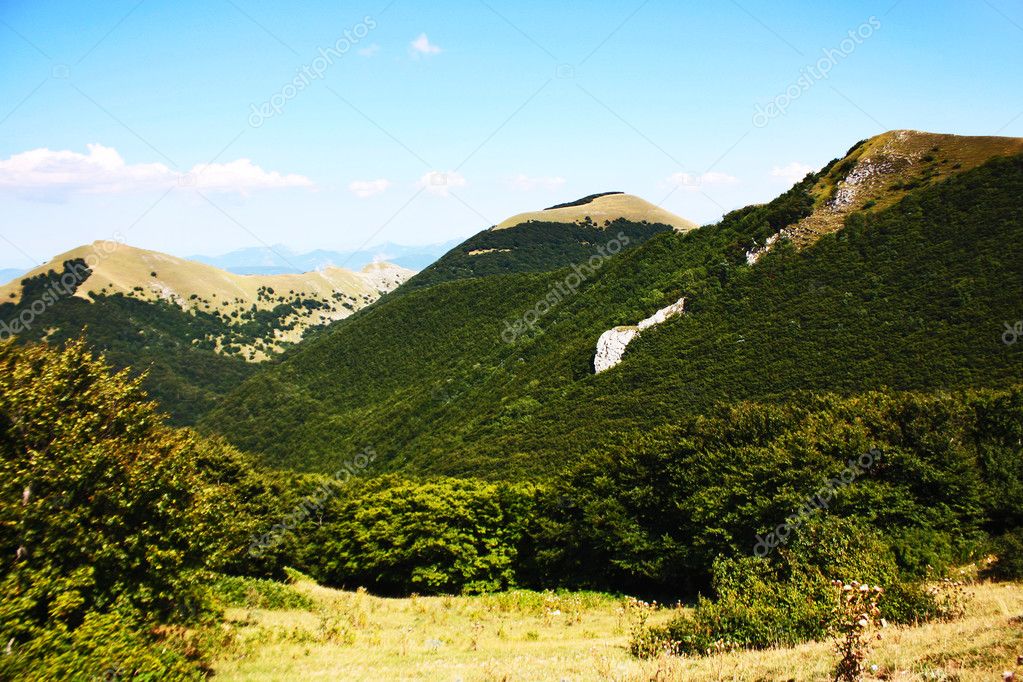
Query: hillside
point(553, 238)
point(196, 330)
point(912, 295)
point(601, 210)
point(879, 172)
point(297, 301)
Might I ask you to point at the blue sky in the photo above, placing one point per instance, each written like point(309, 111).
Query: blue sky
point(431, 121)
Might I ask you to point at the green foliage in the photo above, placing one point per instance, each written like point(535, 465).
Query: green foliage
point(1008, 549)
point(440, 536)
point(110, 520)
point(105, 646)
point(530, 247)
point(653, 517)
point(912, 297)
point(789, 598)
point(257, 593)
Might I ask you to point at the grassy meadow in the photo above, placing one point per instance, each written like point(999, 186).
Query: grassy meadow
point(525, 635)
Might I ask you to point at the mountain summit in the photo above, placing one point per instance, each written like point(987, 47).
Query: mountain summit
point(554, 237)
point(601, 210)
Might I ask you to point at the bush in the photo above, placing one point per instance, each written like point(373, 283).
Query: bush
point(1009, 550)
point(789, 597)
point(106, 513)
point(106, 646)
point(442, 536)
point(257, 593)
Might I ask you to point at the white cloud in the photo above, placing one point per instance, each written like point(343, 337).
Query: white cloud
point(440, 182)
point(45, 172)
point(102, 170)
point(793, 172)
point(526, 183)
point(369, 51)
point(423, 46)
point(241, 176)
point(693, 183)
point(368, 188)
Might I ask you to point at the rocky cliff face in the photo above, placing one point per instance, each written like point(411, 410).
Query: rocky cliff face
point(611, 344)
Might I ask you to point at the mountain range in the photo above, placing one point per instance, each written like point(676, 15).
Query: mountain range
point(896, 256)
point(892, 267)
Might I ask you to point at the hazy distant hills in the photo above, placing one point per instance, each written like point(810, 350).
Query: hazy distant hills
point(280, 260)
point(894, 267)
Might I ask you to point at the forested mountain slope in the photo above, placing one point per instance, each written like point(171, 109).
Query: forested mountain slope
point(552, 238)
point(910, 296)
point(195, 329)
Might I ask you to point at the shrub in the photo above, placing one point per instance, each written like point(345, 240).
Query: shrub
point(789, 597)
point(1009, 550)
point(257, 593)
point(442, 536)
point(106, 513)
point(105, 646)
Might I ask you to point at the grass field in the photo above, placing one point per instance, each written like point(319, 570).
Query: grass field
point(575, 636)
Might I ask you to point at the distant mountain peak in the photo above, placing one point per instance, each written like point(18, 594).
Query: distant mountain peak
point(600, 210)
point(310, 299)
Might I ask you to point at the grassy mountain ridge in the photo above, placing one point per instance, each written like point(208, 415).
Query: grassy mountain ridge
point(601, 209)
point(552, 238)
point(900, 298)
point(879, 172)
point(193, 329)
point(299, 301)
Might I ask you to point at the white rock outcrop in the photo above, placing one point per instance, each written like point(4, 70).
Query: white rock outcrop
point(754, 254)
point(611, 347)
point(611, 344)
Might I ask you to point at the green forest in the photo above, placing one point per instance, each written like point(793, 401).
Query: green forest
point(848, 410)
point(911, 297)
point(123, 528)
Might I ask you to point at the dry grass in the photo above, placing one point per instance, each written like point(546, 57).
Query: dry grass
point(529, 636)
point(909, 159)
point(610, 207)
point(122, 269)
